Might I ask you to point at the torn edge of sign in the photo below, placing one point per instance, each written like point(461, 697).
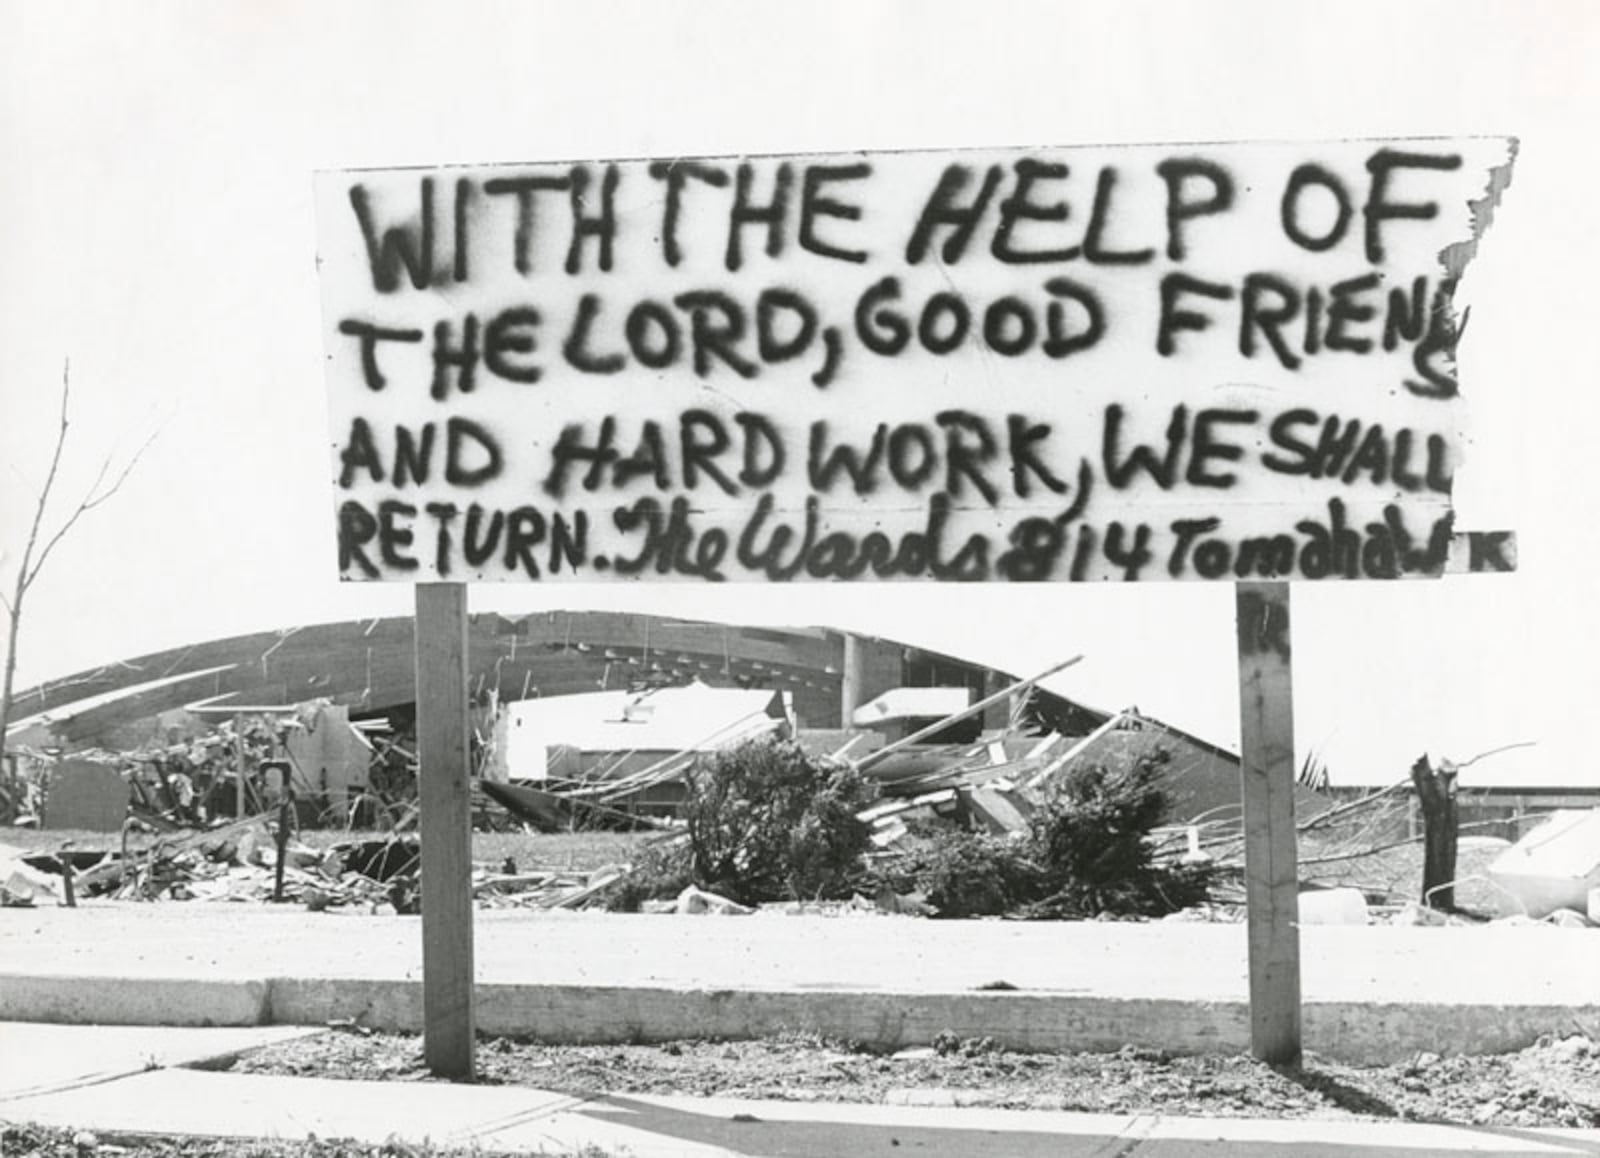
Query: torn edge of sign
point(1458, 254)
point(1478, 551)
point(1455, 257)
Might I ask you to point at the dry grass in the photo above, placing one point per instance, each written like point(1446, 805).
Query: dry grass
point(52, 839)
point(576, 851)
point(1395, 873)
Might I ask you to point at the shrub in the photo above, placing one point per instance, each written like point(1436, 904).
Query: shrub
point(1086, 853)
point(659, 871)
point(767, 822)
point(966, 874)
point(1092, 848)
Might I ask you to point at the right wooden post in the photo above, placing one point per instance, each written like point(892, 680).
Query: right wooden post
point(1271, 863)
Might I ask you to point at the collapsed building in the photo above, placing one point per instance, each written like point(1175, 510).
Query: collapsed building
point(617, 703)
point(588, 719)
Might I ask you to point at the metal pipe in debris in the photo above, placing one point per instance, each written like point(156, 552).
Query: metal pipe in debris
point(970, 710)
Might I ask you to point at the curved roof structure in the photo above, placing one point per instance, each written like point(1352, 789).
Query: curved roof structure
point(369, 666)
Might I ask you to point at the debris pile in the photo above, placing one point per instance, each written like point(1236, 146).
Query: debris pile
point(1555, 869)
point(342, 773)
point(545, 888)
point(1361, 863)
point(224, 806)
point(246, 862)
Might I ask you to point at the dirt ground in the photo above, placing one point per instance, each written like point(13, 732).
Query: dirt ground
point(18, 1141)
point(1554, 1083)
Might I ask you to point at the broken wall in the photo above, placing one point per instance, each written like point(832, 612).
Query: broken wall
point(329, 757)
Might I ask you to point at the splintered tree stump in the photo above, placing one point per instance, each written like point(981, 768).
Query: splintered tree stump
point(281, 839)
point(1441, 818)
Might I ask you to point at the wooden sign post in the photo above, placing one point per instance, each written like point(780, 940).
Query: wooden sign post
point(1226, 362)
point(1271, 864)
point(444, 784)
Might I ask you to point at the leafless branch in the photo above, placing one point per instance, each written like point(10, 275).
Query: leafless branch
point(34, 557)
point(127, 468)
point(25, 573)
point(1331, 814)
point(91, 501)
point(1496, 752)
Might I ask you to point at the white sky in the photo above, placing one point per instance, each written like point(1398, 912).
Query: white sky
point(156, 226)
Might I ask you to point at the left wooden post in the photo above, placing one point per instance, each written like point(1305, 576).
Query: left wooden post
point(445, 797)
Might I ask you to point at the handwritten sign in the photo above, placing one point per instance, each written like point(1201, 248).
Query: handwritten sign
point(1211, 362)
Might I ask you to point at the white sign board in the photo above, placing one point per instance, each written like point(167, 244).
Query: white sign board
point(1222, 362)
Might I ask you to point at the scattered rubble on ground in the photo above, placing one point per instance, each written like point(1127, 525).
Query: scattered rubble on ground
point(1553, 1083)
point(1554, 871)
point(240, 862)
point(25, 1140)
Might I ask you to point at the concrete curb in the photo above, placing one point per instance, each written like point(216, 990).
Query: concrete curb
point(599, 1014)
point(1378, 1033)
point(1023, 1021)
point(383, 1005)
point(181, 1001)
point(1359, 1032)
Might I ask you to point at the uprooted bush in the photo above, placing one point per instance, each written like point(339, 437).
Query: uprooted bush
point(1086, 853)
point(961, 874)
point(1091, 843)
point(660, 870)
point(765, 822)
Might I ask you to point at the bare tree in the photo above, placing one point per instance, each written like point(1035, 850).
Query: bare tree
point(34, 556)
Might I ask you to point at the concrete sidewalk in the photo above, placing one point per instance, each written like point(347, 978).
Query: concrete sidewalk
point(502, 1118)
point(42, 1059)
point(1371, 994)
